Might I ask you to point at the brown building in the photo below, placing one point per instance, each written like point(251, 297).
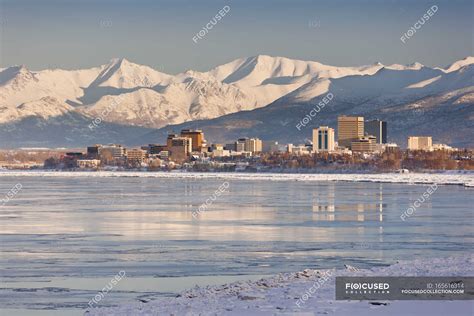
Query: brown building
point(364, 144)
point(169, 140)
point(154, 149)
point(179, 148)
point(136, 154)
point(349, 128)
point(197, 136)
point(93, 151)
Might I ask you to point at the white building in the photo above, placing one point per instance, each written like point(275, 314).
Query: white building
point(88, 163)
point(300, 150)
point(443, 147)
point(420, 143)
point(115, 151)
point(323, 139)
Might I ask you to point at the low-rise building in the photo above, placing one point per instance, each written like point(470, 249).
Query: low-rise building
point(155, 148)
point(136, 154)
point(420, 143)
point(237, 146)
point(216, 147)
point(221, 153)
point(389, 147)
point(364, 144)
point(270, 147)
point(111, 152)
point(88, 163)
point(300, 150)
point(443, 147)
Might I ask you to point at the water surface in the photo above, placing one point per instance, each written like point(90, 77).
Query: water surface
point(63, 239)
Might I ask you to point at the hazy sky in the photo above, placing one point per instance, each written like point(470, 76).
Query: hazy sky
point(83, 33)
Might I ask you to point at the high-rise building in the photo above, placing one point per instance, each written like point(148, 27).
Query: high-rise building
point(240, 144)
point(179, 148)
point(169, 139)
point(197, 137)
point(93, 151)
point(378, 129)
point(254, 145)
point(364, 144)
point(420, 143)
point(323, 139)
point(349, 128)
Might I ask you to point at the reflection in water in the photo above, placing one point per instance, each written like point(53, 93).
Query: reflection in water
point(81, 229)
point(329, 207)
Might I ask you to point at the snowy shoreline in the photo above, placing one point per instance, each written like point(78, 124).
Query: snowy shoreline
point(465, 178)
point(278, 295)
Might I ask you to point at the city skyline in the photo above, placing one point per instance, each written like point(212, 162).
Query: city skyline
point(237, 157)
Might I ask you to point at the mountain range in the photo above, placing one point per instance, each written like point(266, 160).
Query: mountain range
point(259, 96)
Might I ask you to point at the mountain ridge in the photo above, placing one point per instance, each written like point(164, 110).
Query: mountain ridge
point(143, 97)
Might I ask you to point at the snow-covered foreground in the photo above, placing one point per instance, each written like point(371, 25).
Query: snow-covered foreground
point(279, 295)
point(465, 178)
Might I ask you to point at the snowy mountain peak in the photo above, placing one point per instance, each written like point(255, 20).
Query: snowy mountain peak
point(16, 76)
point(412, 66)
point(121, 73)
point(460, 63)
point(117, 60)
point(415, 66)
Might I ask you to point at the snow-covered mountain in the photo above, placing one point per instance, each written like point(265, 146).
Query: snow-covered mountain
point(122, 93)
point(414, 100)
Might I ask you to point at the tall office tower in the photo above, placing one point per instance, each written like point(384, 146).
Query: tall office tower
point(323, 139)
point(349, 128)
point(179, 148)
point(197, 137)
point(378, 129)
point(93, 151)
point(253, 145)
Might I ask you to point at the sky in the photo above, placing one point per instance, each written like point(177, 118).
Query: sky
point(74, 34)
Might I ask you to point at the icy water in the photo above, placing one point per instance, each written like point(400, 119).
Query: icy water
point(64, 239)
